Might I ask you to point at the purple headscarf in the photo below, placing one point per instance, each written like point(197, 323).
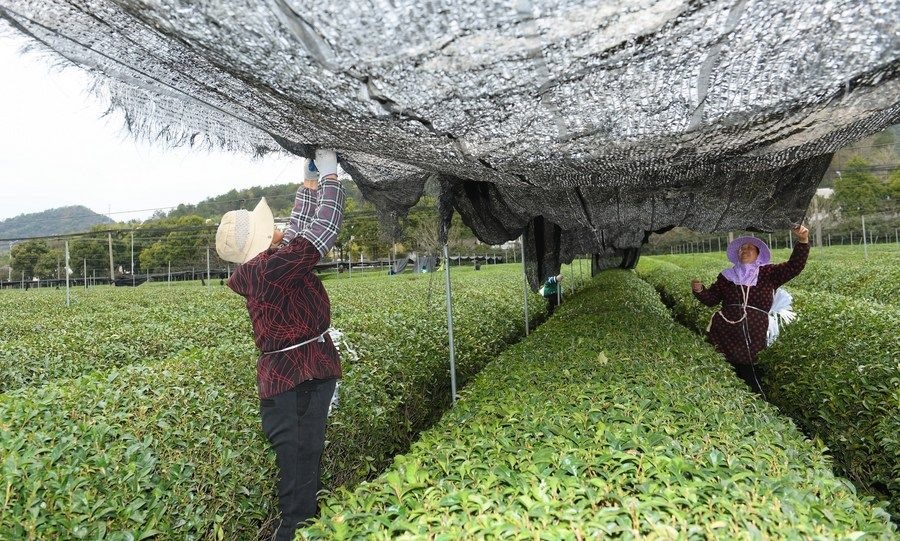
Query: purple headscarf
point(745, 274)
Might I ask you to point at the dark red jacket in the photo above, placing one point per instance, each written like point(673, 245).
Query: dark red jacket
point(287, 305)
point(741, 342)
point(286, 300)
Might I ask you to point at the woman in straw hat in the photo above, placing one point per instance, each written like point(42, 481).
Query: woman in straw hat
point(299, 366)
point(746, 291)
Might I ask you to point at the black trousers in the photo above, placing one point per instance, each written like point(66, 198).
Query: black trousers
point(294, 422)
point(751, 374)
point(552, 303)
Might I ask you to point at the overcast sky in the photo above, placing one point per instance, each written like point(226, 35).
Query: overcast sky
point(57, 149)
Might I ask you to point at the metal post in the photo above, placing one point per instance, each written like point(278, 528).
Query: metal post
point(111, 267)
point(67, 273)
point(450, 326)
point(865, 244)
point(790, 241)
point(85, 274)
point(169, 276)
point(132, 258)
point(829, 239)
point(208, 275)
point(23, 280)
point(525, 285)
point(719, 243)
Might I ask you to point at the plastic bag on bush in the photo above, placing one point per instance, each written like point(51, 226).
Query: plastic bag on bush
point(781, 313)
point(347, 351)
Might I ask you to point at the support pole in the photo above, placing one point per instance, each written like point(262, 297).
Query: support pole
point(208, 274)
point(67, 273)
point(865, 243)
point(450, 326)
point(169, 276)
point(85, 274)
point(525, 285)
point(132, 258)
point(111, 267)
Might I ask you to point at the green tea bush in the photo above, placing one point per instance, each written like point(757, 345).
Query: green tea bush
point(835, 371)
point(172, 449)
point(609, 421)
point(105, 328)
point(41, 340)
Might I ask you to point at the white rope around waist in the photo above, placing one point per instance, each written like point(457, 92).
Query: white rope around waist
point(320, 338)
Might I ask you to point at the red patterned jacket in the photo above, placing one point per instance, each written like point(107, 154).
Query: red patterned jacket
point(286, 300)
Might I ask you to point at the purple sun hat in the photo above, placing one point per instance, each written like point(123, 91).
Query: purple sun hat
point(734, 248)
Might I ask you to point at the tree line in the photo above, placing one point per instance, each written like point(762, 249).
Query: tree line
point(183, 242)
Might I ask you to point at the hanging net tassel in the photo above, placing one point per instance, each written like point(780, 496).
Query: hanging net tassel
point(781, 313)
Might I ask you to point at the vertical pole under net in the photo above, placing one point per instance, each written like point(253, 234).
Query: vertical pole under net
point(450, 325)
point(525, 290)
point(67, 273)
point(865, 242)
point(208, 274)
point(112, 272)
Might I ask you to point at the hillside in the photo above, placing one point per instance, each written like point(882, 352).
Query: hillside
point(56, 221)
point(881, 152)
point(279, 196)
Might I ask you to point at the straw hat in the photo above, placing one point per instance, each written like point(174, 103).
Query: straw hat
point(243, 234)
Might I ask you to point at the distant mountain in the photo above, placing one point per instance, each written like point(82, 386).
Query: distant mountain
point(58, 221)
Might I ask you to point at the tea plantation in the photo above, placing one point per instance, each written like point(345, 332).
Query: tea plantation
point(159, 435)
point(836, 369)
point(133, 415)
point(611, 420)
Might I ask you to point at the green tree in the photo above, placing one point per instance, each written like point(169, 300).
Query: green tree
point(50, 265)
point(25, 256)
point(92, 252)
point(893, 188)
point(857, 191)
point(184, 246)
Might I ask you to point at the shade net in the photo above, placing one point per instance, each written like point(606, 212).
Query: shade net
point(583, 126)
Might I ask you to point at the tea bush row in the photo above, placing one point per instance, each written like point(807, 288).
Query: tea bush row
point(609, 421)
point(42, 340)
point(835, 371)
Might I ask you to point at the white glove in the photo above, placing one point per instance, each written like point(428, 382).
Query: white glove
point(326, 162)
point(310, 175)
